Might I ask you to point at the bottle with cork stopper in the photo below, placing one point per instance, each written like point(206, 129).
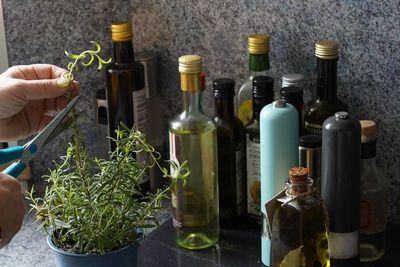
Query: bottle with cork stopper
point(300, 225)
point(374, 197)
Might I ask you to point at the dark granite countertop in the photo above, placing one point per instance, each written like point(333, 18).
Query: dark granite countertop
point(236, 248)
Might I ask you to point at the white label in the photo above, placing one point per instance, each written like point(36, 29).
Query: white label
point(140, 110)
point(253, 177)
point(240, 177)
point(343, 245)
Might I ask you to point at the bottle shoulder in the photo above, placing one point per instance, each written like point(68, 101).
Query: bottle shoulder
point(319, 110)
point(189, 123)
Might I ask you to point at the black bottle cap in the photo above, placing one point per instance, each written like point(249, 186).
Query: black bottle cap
point(292, 93)
point(311, 141)
point(263, 87)
point(224, 88)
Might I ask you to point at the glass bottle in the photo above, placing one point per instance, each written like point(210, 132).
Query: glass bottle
point(263, 94)
point(326, 104)
point(126, 95)
point(258, 48)
point(231, 153)
point(374, 197)
point(193, 138)
point(300, 225)
point(310, 156)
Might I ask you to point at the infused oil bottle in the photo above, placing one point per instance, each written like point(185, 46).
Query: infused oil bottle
point(193, 138)
point(258, 48)
point(326, 104)
point(231, 154)
point(300, 225)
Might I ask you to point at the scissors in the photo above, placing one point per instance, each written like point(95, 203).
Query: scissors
point(28, 151)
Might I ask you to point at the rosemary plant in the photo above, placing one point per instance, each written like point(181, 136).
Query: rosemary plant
point(95, 205)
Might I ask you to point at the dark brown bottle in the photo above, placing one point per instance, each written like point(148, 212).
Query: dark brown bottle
point(326, 104)
point(126, 97)
point(263, 94)
point(231, 154)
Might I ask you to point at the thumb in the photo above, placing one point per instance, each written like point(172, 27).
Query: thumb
point(45, 88)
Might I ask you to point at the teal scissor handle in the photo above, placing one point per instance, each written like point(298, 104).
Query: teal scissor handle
point(10, 154)
point(15, 169)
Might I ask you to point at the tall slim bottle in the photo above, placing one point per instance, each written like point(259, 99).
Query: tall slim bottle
point(340, 187)
point(231, 154)
point(126, 96)
point(326, 104)
point(258, 48)
point(263, 94)
point(374, 197)
point(193, 138)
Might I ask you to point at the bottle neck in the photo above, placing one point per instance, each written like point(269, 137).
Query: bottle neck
point(123, 53)
point(326, 79)
point(191, 101)
point(295, 189)
point(224, 108)
point(258, 104)
point(258, 64)
point(368, 150)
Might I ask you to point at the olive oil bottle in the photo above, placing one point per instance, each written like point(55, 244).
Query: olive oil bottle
point(300, 225)
point(193, 138)
point(259, 65)
point(263, 94)
point(231, 154)
point(326, 104)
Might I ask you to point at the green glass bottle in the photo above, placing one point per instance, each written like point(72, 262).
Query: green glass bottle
point(258, 48)
point(193, 138)
point(326, 104)
point(263, 94)
point(231, 154)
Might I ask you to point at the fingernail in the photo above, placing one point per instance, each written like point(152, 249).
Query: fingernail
point(62, 83)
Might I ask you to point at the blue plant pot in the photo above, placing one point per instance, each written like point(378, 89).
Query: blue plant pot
point(124, 257)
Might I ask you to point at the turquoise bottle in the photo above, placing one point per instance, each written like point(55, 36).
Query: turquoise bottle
point(278, 153)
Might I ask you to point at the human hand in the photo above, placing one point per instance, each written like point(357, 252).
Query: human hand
point(29, 96)
point(12, 208)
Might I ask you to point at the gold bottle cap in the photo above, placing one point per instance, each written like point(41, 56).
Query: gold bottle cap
point(369, 131)
point(327, 49)
point(121, 31)
point(190, 64)
point(258, 44)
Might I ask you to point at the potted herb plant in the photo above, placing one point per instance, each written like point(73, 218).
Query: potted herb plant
point(93, 210)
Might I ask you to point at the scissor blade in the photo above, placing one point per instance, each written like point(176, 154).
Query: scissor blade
point(41, 139)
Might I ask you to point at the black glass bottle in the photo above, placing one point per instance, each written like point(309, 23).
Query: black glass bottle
point(326, 103)
point(263, 94)
point(231, 154)
point(126, 97)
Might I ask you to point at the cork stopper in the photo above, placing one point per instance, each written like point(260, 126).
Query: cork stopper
point(258, 44)
point(368, 131)
point(327, 49)
point(190, 64)
point(121, 31)
point(298, 175)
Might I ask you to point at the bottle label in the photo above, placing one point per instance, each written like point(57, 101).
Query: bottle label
point(140, 110)
point(253, 177)
point(313, 128)
point(176, 201)
point(343, 245)
point(240, 180)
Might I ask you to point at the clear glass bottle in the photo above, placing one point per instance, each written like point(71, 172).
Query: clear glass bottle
point(263, 94)
point(258, 48)
point(193, 138)
point(374, 197)
point(231, 154)
point(326, 104)
point(300, 225)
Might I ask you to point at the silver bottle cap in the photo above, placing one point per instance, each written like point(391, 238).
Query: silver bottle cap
point(342, 115)
point(279, 103)
point(293, 80)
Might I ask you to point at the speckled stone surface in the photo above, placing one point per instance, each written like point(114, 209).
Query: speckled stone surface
point(368, 32)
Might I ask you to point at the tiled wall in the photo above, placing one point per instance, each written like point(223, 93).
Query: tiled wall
point(368, 31)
